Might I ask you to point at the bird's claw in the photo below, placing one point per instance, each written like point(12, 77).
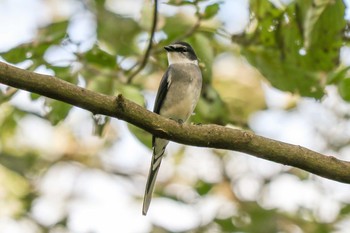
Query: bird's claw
point(180, 121)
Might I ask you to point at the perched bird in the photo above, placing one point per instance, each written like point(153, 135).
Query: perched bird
point(176, 99)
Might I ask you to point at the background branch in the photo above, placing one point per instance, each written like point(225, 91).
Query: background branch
point(149, 47)
point(190, 31)
point(214, 136)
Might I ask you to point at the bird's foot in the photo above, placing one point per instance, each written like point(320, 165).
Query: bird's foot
point(180, 121)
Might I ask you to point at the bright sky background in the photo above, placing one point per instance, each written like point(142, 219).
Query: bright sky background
point(103, 203)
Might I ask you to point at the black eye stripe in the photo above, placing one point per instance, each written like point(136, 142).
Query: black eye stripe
point(182, 49)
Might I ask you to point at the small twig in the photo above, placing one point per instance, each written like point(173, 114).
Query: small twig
point(149, 48)
point(191, 31)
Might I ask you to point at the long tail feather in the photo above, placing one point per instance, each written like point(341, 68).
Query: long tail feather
point(158, 153)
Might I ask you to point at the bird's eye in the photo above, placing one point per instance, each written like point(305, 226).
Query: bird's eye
point(183, 50)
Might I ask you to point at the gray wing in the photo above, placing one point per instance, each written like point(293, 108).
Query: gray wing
point(161, 94)
point(162, 90)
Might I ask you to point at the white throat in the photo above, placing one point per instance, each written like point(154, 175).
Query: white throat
point(174, 58)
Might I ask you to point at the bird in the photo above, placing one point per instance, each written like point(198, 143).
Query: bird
point(177, 97)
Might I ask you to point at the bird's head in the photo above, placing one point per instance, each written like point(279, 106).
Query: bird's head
point(181, 52)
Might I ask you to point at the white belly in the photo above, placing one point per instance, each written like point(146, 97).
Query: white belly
point(181, 106)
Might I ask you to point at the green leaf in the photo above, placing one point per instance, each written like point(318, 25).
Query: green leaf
point(143, 136)
point(117, 33)
point(17, 54)
point(345, 210)
point(8, 122)
point(53, 33)
point(226, 225)
point(100, 57)
point(211, 10)
point(323, 37)
point(180, 2)
point(203, 188)
point(266, 15)
point(344, 88)
point(32, 51)
point(285, 76)
point(20, 164)
point(99, 83)
point(261, 9)
point(65, 73)
point(335, 77)
point(176, 26)
point(278, 47)
point(34, 96)
point(314, 10)
point(59, 111)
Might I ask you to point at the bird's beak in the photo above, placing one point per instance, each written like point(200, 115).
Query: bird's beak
point(169, 48)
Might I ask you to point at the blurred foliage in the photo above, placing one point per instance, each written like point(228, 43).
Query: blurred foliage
point(295, 48)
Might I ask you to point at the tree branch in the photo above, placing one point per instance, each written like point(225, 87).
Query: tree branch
point(214, 136)
point(149, 47)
